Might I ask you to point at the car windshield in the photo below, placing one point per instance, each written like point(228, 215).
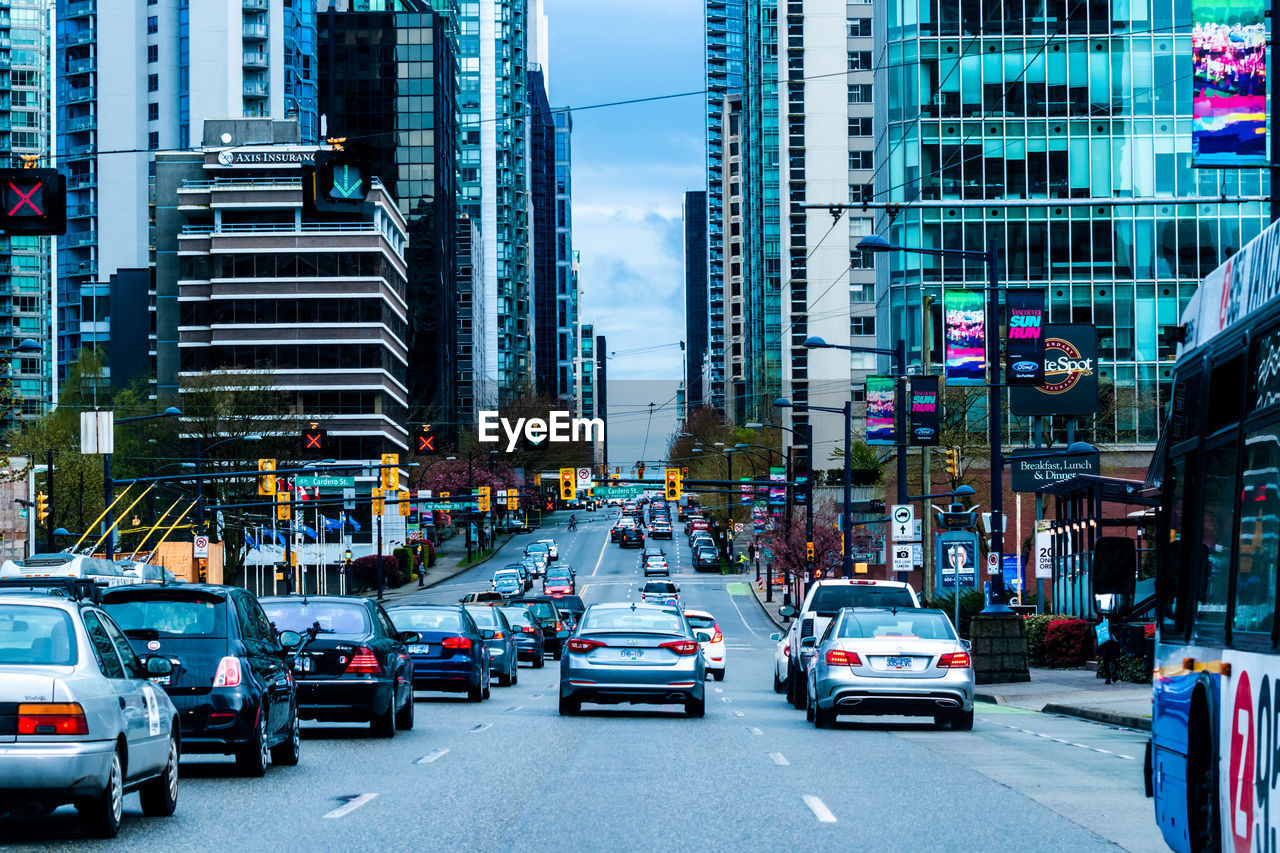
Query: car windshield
point(175, 614)
point(426, 619)
point(552, 574)
point(38, 636)
point(517, 616)
point(829, 599)
point(536, 548)
point(510, 577)
point(700, 621)
point(484, 617)
point(344, 618)
point(648, 619)
point(910, 623)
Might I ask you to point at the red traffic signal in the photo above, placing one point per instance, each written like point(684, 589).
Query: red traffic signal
point(33, 201)
point(313, 440)
point(425, 441)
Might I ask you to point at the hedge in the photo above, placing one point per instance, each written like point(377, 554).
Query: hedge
point(1068, 643)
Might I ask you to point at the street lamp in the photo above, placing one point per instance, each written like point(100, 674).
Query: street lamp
point(876, 243)
point(846, 514)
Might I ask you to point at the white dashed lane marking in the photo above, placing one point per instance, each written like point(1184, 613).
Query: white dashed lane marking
point(1071, 743)
point(351, 805)
point(432, 756)
point(779, 759)
point(819, 809)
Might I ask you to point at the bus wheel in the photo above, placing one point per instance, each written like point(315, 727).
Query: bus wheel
point(1202, 785)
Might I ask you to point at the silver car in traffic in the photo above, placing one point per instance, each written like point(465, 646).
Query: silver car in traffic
point(637, 653)
point(901, 661)
point(80, 721)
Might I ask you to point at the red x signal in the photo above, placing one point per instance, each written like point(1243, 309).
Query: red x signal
point(24, 199)
point(426, 444)
point(313, 441)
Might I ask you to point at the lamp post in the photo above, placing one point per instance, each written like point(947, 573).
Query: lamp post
point(808, 503)
point(846, 513)
point(200, 451)
point(107, 485)
point(990, 257)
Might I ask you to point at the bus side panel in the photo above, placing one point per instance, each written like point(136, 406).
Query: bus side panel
point(1171, 709)
point(1249, 752)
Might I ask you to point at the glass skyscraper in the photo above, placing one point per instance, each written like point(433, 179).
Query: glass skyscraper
point(1063, 133)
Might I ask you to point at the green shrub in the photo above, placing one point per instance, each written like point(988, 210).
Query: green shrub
point(431, 553)
point(1036, 626)
point(404, 559)
point(1133, 669)
point(971, 602)
point(365, 571)
point(1068, 643)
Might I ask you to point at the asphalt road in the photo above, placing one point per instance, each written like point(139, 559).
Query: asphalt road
point(511, 774)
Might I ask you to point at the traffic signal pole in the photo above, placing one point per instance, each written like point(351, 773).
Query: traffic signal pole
point(48, 458)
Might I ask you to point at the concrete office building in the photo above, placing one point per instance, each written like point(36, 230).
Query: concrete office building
point(243, 280)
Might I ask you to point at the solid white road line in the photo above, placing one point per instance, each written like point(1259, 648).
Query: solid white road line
point(733, 599)
point(352, 805)
point(819, 809)
point(780, 760)
point(603, 545)
point(514, 708)
point(427, 759)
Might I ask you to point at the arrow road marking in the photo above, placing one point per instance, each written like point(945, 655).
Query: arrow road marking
point(352, 804)
point(427, 759)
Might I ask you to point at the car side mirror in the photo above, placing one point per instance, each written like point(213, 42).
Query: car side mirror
point(290, 639)
point(775, 637)
point(158, 665)
point(409, 637)
point(786, 611)
point(702, 636)
point(808, 642)
point(486, 634)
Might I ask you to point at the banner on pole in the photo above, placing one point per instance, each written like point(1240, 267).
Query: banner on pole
point(1229, 83)
point(880, 399)
point(1024, 348)
point(778, 494)
point(925, 412)
point(965, 336)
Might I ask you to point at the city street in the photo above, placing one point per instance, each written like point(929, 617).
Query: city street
point(511, 774)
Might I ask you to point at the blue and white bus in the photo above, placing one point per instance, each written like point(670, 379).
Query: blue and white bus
point(1214, 761)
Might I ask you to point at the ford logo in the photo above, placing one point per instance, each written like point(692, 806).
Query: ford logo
point(924, 432)
point(1025, 366)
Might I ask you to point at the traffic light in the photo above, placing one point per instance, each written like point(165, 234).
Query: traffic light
point(267, 477)
point(568, 484)
point(202, 568)
point(425, 440)
point(483, 504)
point(951, 463)
point(808, 551)
point(42, 506)
point(537, 479)
point(673, 484)
point(513, 499)
point(639, 470)
point(684, 473)
point(378, 506)
point(313, 440)
point(613, 478)
point(284, 506)
point(34, 201)
point(390, 478)
point(403, 503)
point(340, 180)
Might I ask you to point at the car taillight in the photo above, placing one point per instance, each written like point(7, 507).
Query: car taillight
point(60, 718)
point(363, 662)
point(528, 629)
point(955, 660)
point(583, 646)
point(786, 651)
point(840, 657)
point(228, 674)
point(717, 637)
point(498, 635)
point(456, 642)
point(681, 647)
point(559, 626)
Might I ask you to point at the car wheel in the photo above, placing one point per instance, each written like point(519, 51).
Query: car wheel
point(100, 815)
point(808, 711)
point(384, 724)
point(778, 685)
point(404, 718)
point(718, 674)
point(160, 795)
point(695, 708)
point(539, 659)
point(559, 653)
point(790, 684)
point(802, 692)
point(288, 752)
point(962, 721)
point(823, 718)
point(488, 679)
point(569, 707)
point(514, 678)
point(475, 694)
point(252, 758)
point(941, 720)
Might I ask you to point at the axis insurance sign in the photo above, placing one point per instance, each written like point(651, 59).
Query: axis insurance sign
point(1249, 753)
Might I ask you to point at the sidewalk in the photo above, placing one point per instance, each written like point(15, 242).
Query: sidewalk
point(448, 565)
point(1070, 692)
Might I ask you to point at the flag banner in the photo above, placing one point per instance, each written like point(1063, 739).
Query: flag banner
point(1024, 347)
point(1229, 83)
point(965, 338)
point(926, 414)
point(778, 495)
point(747, 492)
point(880, 401)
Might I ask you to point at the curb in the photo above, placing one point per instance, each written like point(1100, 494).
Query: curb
point(1111, 718)
point(990, 699)
point(755, 593)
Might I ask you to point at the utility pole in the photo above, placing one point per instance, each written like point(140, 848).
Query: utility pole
point(926, 538)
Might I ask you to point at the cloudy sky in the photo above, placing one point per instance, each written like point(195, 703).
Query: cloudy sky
point(631, 167)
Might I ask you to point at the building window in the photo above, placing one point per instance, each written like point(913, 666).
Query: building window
point(153, 141)
point(858, 193)
point(860, 93)
point(860, 28)
point(860, 160)
point(860, 127)
point(153, 25)
point(153, 53)
point(862, 325)
point(862, 259)
point(153, 112)
point(153, 82)
point(859, 60)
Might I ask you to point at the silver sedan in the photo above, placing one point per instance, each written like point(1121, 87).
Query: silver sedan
point(637, 653)
point(905, 661)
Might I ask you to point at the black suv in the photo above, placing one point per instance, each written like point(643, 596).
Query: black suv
point(631, 537)
point(230, 684)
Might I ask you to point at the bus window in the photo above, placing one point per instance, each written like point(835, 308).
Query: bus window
point(1213, 563)
point(1172, 578)
point(1226, 394)
point(1255, 597)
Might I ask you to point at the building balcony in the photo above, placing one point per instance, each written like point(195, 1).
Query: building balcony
point(80, 150)
point(81, 268)
point(80, 124)
point(87, 36)
point(78, 239)
point(81, 211)
point(80, 66)
point(255, 59)
point(81, 182)
point(256, 88)
point(79, 8)
point(255, 5)
point(82, 95)
point(254, 31)
point(5, 42)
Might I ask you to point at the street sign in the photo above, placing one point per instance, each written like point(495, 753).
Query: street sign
point(902, 561)
point(993, 563)
point(917, 553)
point(326, 482)
point(349, 498)
point(200, 546)
point(1044, 550)
point(737, 527)
point(903, 517)
point(584, 478)
point(619, 492)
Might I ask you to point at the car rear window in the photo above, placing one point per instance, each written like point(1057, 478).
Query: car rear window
point(542, 609)
point(572, 603)
point(558, 573)
point(517, 616)
point(665, 621)
point(700, 621)
point(829, 599)
point(180, 614)
point(484, 617)
point(345, 618)
point(38, 636)
point(659, 587)
point(910, 623)
point(426, 619)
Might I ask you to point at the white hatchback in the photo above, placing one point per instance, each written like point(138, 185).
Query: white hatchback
point(714, 653)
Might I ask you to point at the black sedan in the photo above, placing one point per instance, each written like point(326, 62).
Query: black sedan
point(356, 669)
point(631, 537)
point(230, 683)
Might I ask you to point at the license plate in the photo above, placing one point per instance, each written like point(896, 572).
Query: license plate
point(632, 654)
point(162, 680)
point(419, 649)
point(899, 663)
point(303, 664)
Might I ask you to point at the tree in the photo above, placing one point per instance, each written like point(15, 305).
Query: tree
point(787, 544)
